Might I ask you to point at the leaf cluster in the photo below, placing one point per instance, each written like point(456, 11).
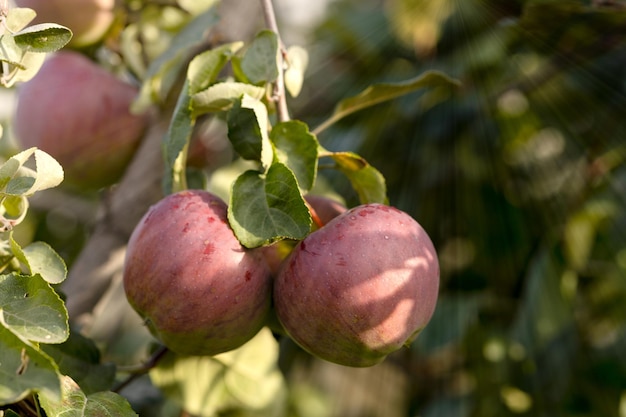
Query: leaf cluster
point(23, 47)
point(33, 317)
point(266, 203)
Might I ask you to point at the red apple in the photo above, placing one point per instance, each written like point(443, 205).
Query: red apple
point(359, 288)
point(88, 20)
point(79, 113)
point(199, 291)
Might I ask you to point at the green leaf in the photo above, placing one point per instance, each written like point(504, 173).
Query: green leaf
point(32, 310)
point(453, 318)
point(222, 96)
point(581, 228)
point(267, 208)
point(248, 130)
point(366, 180)
point(544, 312)
point(20, 185)
point(41, 259)
point(74, 402)
point(177, 142)
point(24, 370)
point(379, 93)
point(79, 358)
point(45, 37)
point(297, 148)
point(259, 62)
point(204, 68)
point(246, 378)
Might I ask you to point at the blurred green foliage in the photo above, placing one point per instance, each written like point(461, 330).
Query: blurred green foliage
point(520, 180)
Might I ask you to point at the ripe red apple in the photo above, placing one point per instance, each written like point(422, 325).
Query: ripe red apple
point(88, 20)
point(79, 113)
point(199, 291)
point(359, 288)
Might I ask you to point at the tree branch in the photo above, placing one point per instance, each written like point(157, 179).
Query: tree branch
point(103, 255)
point(139, 370)
point(279, 85)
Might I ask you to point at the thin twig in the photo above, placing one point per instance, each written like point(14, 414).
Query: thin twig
point(139, 370)
point(279, 86)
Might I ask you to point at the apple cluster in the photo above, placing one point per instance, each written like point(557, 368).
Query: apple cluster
point(356, 289)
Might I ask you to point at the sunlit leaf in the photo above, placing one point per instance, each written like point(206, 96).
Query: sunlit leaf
point(31, 309)
point(19, 17)
point(221, 96)
point(366, 180)
point(11, 52)
point(196, 6)
point(19, 180)
point(246, 378)
point(297, 62)
point(27, 68)
point(49, 172)
point(267, 208)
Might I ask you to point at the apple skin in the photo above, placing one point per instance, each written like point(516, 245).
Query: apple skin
point(359, 288)
point(199, 291)
point(89, 20)
point(79, 113)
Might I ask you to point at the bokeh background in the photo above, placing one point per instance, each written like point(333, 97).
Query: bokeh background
point(519, 177)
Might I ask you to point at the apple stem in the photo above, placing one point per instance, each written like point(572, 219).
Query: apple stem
point(279, 85)
point(314, 216)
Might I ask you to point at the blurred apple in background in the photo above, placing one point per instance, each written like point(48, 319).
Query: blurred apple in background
point(79, 113)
